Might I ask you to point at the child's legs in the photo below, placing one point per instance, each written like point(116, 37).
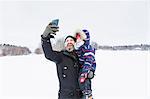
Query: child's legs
point(86, 87)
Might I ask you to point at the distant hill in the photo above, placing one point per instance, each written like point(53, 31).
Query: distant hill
point(141, 47)
point(13, 50)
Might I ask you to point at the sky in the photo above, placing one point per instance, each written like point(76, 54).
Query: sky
point(110, 22)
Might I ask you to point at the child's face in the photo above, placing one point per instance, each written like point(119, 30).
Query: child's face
point(78, 37)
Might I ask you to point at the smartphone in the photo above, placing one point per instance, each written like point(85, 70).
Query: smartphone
point(55, 22)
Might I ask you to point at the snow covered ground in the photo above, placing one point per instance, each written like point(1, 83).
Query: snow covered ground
point(119, 75)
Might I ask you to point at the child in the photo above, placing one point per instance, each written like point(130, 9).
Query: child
point(86, 56)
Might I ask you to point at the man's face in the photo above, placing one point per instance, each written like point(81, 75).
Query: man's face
point(69, 44)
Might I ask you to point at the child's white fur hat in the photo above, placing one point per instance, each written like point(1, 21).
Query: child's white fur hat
point(82, 34)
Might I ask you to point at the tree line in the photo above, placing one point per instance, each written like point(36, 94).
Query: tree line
point(59, 45)
point(13, 50)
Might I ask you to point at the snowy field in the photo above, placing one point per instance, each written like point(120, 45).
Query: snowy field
point(119, 75)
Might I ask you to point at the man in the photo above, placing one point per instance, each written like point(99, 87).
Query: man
point(66, 62)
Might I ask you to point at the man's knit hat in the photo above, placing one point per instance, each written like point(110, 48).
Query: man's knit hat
point(69, 36)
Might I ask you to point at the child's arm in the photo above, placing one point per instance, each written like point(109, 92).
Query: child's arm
point(89, 60)
point(88, 67)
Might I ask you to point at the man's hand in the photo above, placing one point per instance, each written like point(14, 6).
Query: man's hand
point(90, 74)
point(50, 29)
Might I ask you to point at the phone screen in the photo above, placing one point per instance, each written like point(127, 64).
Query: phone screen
point(55, 22)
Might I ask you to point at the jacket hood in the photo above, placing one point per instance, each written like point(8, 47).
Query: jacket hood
point(87, 39)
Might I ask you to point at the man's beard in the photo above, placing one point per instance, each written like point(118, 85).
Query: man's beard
point(70, 49)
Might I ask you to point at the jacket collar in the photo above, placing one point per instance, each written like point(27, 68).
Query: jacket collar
point(70, 54)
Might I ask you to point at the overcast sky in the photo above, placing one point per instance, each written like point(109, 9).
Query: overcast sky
point(110, 22)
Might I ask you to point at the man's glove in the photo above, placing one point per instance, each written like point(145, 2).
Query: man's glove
point(50, 29)
point(91, 74)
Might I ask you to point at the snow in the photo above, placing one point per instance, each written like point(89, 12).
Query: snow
point(119, 75)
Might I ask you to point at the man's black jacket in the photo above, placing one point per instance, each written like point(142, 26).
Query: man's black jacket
point(67, 69)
